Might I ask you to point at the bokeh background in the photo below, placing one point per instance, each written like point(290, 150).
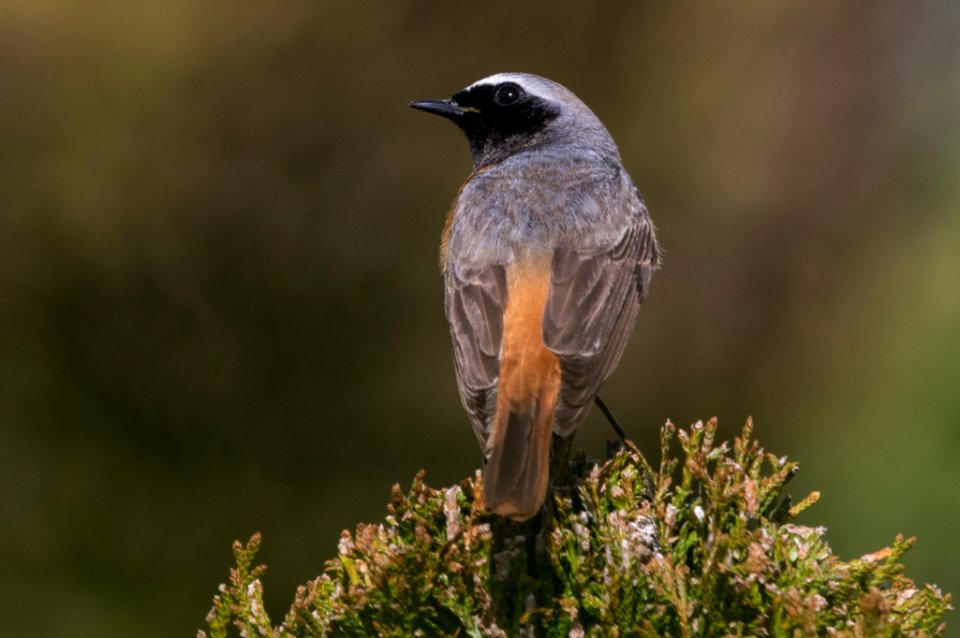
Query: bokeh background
point(220, 309)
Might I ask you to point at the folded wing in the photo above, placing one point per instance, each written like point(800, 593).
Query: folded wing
point(475, 301)
point(590, 312)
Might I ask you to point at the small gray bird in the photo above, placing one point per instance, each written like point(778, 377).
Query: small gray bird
point(547, 255)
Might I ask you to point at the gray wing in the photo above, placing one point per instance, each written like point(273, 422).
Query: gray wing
point(475, 300)
point(593, 302)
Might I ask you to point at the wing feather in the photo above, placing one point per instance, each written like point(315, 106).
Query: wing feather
point(475, 299)
point(591, 309)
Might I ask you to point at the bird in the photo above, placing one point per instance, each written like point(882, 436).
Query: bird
point(547, 255)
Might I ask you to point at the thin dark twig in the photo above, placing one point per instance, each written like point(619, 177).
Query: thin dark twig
point(612, 419)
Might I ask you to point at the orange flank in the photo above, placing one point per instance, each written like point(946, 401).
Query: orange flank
point(448, 222)
point(445, 237)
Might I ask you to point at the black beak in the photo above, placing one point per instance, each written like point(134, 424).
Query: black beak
point(444, 108)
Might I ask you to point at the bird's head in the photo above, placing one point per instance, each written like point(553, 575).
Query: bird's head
point(510, 113)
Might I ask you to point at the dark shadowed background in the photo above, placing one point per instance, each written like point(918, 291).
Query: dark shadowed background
point(220, 308)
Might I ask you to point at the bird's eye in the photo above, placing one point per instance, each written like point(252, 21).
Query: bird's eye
point(507, 94)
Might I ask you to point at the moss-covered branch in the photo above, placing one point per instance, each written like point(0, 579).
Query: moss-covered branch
point(700, 546)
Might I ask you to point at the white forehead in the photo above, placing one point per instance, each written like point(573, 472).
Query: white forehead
point(533, 84)
point(500, 78)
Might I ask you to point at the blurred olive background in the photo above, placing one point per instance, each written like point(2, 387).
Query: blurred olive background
point(220, 309)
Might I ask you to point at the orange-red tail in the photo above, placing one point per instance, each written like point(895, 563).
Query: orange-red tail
point(517, 471)
point(516, 476)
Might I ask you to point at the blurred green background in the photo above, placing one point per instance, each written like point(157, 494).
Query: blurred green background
point(220, 309)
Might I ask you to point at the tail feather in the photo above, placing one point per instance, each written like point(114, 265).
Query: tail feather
point(518, 467)
point(517, 472)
